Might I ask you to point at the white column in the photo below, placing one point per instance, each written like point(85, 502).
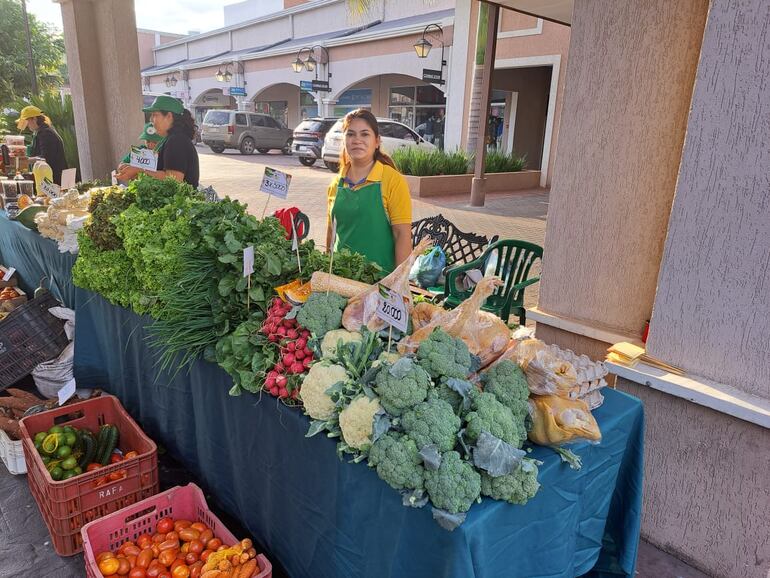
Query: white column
point(457, 75)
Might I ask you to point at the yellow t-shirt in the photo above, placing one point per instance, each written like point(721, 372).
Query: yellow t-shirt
point(395, 193)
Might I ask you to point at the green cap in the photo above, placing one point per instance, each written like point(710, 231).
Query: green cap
point(150, 134)
point(165, 104)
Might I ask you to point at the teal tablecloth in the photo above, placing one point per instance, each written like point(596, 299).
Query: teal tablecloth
point(325, 518)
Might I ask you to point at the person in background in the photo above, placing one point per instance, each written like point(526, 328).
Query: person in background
point(438, 129)
point(430, 127)
point(369, 200)
point(150, 140)
point(177, 156)
point(46, 142)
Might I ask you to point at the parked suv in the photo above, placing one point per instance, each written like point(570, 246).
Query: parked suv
point(245, 131)
point(309, 139)
point(394, 135)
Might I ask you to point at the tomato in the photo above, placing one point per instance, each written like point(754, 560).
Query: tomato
point(144, 558)
point(154, 569)
point(200, 527)
point(119, 475)
point(158, 538)
point(222, 547)
point(205, 555)
point(185, 547)
point(164, 575)
point(109, 566)
point(189, 534)
point(137, 573)
point(196, 570)
point(124, 545)
point(167, 557)
point(156, 550)
point(131, 560)
point(214, 544)
point(129, 455)
point(144, 541)
point(196, 547)
point(115, 458)
point(131, 550)
point(103, 556)
point(124, 568)
point(206, 535)
point(181, 572)
point(169, 545)
point(165, 525)
point(181, 525)
point(190, 558)
point(172, 535)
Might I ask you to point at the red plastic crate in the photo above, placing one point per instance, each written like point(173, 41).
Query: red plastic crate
point(66, 506)
point(181, 503)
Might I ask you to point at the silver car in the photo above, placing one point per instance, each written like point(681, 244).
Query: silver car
point(245, 131)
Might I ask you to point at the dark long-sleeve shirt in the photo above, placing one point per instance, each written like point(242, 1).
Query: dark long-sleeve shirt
point(48, 144)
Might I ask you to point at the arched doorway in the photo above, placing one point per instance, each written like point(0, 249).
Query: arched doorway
point(211, 99)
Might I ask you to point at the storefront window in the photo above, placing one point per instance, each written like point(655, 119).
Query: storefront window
point(402, 95)
point(307, 105)
point(353, 99)
point(430, 95)
point(421, 108)
point(278, 109)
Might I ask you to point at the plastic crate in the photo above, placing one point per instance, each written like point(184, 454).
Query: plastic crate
point(29, 335)
point(181, 502)
point(67, 505)
point(12, 454)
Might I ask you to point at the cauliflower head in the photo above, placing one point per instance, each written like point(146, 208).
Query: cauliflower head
point(432, 422)
point(398, 462)
point(322, 312)
point(401, 385)
point(454, 486)
point(318, 404)
point(357, 421)
point(516, 488)
point(509, 384)
point(442, 355)
point(333, 337)
point(386, 357)
point(488, 414)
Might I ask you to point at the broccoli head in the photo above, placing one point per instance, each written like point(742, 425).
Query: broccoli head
point(398, 462)
point(488, 414)
point(454, 486)
point(509, 384)
point(517, 487)
point(442, 355)
point(432, 422)
point(401, 385)
point(322, 312)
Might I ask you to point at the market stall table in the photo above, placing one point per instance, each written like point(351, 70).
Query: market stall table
point(322, 517)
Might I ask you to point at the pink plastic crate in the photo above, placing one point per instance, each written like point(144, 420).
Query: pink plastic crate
point(181, 503)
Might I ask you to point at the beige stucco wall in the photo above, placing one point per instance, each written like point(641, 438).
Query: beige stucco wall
point(712, 312)
point(622, 128)
point(146, 42)
point(706, 485)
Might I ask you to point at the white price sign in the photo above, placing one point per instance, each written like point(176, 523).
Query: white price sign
point(9, 273)
point(248, 261)
point(392, 308)
point(67, 391)
point(49, 189)
point(144, 159)
point(275, 183)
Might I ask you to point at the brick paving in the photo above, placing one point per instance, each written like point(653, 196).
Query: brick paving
point(518, 215)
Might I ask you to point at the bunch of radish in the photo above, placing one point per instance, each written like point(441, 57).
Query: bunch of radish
point(294, 354)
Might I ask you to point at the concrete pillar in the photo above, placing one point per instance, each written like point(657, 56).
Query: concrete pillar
point(629, 83)
point(103, 60)
point(463, 41)
point(712, 310)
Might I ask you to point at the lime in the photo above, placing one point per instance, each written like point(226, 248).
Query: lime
point(70, 438)
point(68, 429)
point(39, 437)
point(68, 474)
point(56, 429)
point(63, 452)
point(78, 470)
point(46, 460)
point(39, 446)
point(70, 463)
point(57, 473)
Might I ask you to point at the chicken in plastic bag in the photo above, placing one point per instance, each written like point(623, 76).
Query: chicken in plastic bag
point(547, 373)
point(362, 309)
point(485, 334)
point(556, 421)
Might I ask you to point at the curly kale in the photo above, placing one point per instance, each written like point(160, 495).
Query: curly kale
point(432, 422)
point(454, 486)
point(398, 462)
point(509, 384)
point(517, 487)
point(401, 385)
point(488, 414)
point(322, 312)
point(442, 355)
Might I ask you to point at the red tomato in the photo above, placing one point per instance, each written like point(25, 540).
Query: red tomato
point(188, 534)
point(144, 541)
point(167, 557)
point(129, 455)
point(214, 544)
point(155, 569)
point(181, 572)
point(164, 575)
point(182, 524)
point(103, 556)
point(131, 560)
point(158, 538)
point(131, 550)
point(199, 526)
point(144, 558)
point(172, 535)
point(169, 545)
point(196, 547)
point(137, 573)
point(190, 558)
point(205, 555)
point(165, 525)
point(124, 567)
point(115, 458)
point(196, 570)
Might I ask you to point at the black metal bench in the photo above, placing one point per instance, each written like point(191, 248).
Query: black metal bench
point(458, 246)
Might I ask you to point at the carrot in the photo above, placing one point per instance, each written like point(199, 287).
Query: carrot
point(248, 569)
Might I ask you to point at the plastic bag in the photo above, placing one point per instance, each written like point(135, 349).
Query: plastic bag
point(556, 421)
point(427, 268)
point(51, 376)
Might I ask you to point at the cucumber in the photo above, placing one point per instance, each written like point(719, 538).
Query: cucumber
point(101, 442)
point(88, 442)
point(108, 441)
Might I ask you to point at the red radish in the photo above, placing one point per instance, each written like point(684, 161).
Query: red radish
point(291, 346)
point(305, 334)
point(308, 351)
point(301, 343)
point(272, 374)
point(288, 359)
point(282, 393)
point(299, 354)
point(281, 331)
point(297, 367)
point(270, 382)
point(274, 391)
point(306, 362)
point(281, 381)
point(292, 334)
point(273, 338)
point(279, 367)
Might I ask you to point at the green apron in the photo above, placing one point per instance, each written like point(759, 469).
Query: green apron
point(363, 225)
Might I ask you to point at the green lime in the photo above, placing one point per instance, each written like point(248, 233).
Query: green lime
point(39, 437)
point(78, 470)
point(39, 446)
point(68, 474)
point(46, 460)
point(68, 429)
point(70, 463)
point(56, 474)
point(63, 452)
point(56, 429)
point(70, 438)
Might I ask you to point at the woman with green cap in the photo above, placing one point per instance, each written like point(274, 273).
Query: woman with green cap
point(177, 156)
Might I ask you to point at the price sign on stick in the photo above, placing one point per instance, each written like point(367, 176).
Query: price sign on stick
point(392, 308)
point(275, 183)
point(248, 261)
point(143, 159)
point(49, 189)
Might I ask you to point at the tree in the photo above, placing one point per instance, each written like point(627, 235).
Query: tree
point(47, 50)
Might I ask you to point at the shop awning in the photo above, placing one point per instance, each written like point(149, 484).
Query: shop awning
point(554, 10)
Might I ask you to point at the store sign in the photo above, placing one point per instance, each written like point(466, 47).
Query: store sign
point(275, 183)
point(315, 85)
point(306, 85)
point(432, 76)
point(143, 159)
point(392, 308)
point(237, 91)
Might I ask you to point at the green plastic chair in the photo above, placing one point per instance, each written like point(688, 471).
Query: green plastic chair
point(514, 263)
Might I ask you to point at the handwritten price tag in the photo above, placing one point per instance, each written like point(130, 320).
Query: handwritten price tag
point(275, 183)
point(49, 189)
point(9, 273)
point(144, 159)
point(67, 391)
point(248, 261)
point(392, 308)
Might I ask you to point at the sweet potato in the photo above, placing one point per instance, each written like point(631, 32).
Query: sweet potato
point(25, 395)
point(11, 427)
point(16, 403)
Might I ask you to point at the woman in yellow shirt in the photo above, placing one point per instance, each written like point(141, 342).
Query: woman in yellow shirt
point(369, 199)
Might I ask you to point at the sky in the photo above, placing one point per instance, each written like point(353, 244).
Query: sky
point(179, 16)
